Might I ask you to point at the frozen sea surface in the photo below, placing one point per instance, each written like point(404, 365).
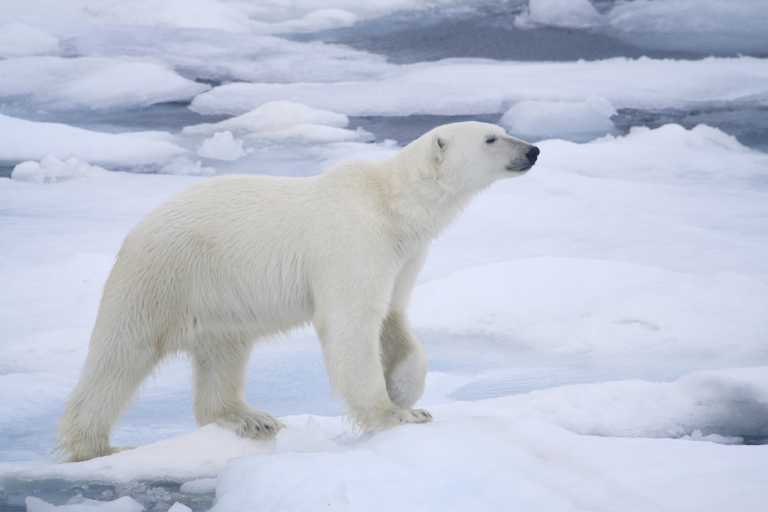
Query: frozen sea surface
point(596, 330)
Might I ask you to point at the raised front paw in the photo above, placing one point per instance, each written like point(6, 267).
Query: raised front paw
point(250, 423)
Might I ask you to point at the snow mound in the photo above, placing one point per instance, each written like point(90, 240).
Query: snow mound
point(559, 13)
point(559, 118)
point(273, 116)
point(510, 451)
point(669, 153)
point(222, 146)
point(124, 504)
point(92, 83)
point(28, 140)
point(51, 169)
point(19, 39)
point(410, 89)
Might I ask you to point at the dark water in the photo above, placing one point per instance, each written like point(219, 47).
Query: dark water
point(155, 496)
point(485, 32)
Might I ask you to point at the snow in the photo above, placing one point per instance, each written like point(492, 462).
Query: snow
point(221, 146)
point(559, 13)
point(19, 39)
point(51, 169)
point(29, 140)
point(410, 89)
point(91, 83)
point(559, 118)
point(556, 447)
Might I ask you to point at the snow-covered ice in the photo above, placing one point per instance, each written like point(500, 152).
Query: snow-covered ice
point(19, 40)
point(29, 140)
point(410, 89)
point(91, 83)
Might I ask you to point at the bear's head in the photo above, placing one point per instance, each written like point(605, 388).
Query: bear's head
point(469, 156)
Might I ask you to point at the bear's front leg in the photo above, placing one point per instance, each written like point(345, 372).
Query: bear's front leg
point(405, 364)
point(350, 336)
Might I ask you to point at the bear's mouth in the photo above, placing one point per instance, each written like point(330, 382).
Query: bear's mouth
point(524, 168)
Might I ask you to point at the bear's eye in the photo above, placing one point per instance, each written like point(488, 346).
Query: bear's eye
point(490, 139)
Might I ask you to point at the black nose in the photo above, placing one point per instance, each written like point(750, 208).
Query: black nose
point(532, 154)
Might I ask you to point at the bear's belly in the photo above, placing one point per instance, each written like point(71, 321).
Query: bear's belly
point(259, 306)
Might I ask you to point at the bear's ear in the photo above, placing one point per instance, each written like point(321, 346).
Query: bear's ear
point(438, 148)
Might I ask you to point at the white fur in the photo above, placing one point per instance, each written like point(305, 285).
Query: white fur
point(235, 259)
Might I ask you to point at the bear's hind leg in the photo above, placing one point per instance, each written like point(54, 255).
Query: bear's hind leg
point(113, 371)
point(220, 389)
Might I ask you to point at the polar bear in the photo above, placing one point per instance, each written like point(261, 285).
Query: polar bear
point(237, 258)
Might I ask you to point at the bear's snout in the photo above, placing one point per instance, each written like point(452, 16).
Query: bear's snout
point(532, 154)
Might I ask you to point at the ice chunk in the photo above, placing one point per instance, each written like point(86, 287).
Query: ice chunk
point(199, 486)
point(51, 169)
point(281, 120)
point(273, 116)
point(27, 140)
point(18, 40)
point(559, 13)
point(411, 89)
point(221, 146)
point(321, 19)
point(124, 504)
point(316, 133)
point(92, 83)
point(537, 118)
point(185, 166)
point(179, 507)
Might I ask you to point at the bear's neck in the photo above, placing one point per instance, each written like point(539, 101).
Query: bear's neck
point(420, 205)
